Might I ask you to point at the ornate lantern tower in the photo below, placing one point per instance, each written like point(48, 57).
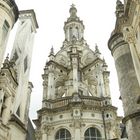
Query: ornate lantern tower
point(76, 101)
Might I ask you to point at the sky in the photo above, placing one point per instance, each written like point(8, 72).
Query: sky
point(99, 20)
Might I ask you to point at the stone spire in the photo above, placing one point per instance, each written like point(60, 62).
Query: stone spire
point(97, 52)
point(119, 9)
point(52, 51)
point(51, 55)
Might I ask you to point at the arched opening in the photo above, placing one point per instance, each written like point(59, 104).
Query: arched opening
point(63, 134)
point(77, 33)
point(70, 33)
point(92, 134)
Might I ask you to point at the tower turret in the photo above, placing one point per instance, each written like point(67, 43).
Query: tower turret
point(124, 46)
point(73, 27)
point(76, 84)
point(8, 16)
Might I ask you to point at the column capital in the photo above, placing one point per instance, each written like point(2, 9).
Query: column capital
point(47, 129)
point(129, 35)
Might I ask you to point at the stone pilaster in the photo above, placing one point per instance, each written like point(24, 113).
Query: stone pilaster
point(130, 37)
point(51, 87)
point(75, 70)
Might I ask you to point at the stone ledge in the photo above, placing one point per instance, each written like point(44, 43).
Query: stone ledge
point(15, 120)
point(131, 116)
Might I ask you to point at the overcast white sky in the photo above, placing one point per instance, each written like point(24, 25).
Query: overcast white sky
point(99, 20)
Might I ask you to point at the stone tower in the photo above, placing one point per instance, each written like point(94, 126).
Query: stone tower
point(8, 17)
point(76, 101)
point(124, 45)
point(15, 88)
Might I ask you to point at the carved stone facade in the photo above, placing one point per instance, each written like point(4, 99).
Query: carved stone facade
point(124, 45)
point(15, 88)
point(76, 101)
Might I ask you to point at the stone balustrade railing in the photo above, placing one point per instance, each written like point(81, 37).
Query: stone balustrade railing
point(92, 101)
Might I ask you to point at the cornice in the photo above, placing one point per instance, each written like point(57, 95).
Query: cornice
point(56, 64)
point(29, 13)
point(91, 64)
point(14, 7)
point(131, 116)
point(15, 120)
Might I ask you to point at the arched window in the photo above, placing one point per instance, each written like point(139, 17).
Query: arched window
point(63, 134)
point(77, 33)
point(70, 33)
point(92, 134)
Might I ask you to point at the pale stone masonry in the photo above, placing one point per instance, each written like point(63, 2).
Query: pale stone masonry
point(15, 88)
point(8, 16)
point(76, 101)
point(124, 45)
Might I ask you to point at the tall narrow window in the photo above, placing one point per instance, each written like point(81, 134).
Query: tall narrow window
point(18, 111)
point(25, 63)
point(70, 33)
point(77, 33)
point(3, 106)
point(5, 30)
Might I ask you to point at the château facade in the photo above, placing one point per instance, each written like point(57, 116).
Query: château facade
point(76, 101)
point(15, 88)
point(124, 45)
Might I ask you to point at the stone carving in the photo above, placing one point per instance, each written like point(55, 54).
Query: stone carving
point(47, 129)
point(129, 35)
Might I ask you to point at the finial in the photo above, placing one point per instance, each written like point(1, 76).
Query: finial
point(119, 8)
point(118, 2)
point(6, 62)
point(96, 49)
point(73, 11)
point(104, 63)
point(52, 51)
point(7, 57)
point(73, 5)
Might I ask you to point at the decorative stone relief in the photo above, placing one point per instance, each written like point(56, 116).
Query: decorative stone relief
point(47, 129)
point(129, 35)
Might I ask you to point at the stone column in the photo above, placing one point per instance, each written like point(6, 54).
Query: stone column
point(77, 122)
point(75, 74)
point(128, 83)
point(44, 132)
point(44, 136)
point(51, 84)
point(106, 83)
point(77, 134)
point(45, 90)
